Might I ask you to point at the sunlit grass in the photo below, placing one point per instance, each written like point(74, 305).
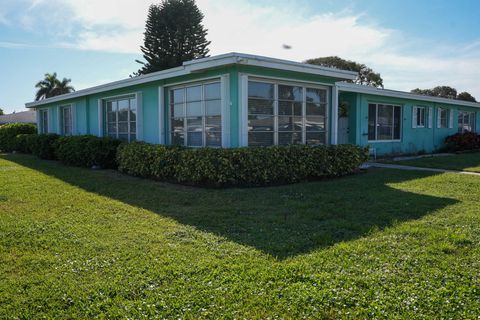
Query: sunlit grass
point(461, 162)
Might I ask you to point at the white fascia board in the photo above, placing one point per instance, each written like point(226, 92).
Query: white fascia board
point(349, 87)
point(204, 64)
point(160, 75)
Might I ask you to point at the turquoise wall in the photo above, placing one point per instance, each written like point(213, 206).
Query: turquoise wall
point(413, 140)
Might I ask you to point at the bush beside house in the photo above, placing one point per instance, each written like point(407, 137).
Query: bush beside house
point(253, 166)
point(8, 133)
point(463, 142)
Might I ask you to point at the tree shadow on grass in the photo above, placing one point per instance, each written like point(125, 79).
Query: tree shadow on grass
point(281, 221)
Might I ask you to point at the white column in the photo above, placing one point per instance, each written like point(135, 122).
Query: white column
point(139, 123)
point(225, 113)
point(161, 115)
point(243, 110)
point(334, 130)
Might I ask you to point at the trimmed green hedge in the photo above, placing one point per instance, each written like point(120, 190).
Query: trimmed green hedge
point(87, 151)
point(8, 133)
point(24, 143)
point(252, 166)
point(43, 145)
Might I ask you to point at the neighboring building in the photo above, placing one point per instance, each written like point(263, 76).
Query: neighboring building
point(19, 117)
point(237, 100)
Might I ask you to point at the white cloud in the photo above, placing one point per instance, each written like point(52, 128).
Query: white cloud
point(247, 26)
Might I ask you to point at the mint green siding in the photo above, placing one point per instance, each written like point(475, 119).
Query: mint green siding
point(413, 140)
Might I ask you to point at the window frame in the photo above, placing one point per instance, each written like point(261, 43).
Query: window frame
point(447, 118)
point(276, 82)
point(424, 112)
point(472, 115)
point(62, 109)
point(127, 96)
point(184, 86)
point(393, 122)
point(44, 129)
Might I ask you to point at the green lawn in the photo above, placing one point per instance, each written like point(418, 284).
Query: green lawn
point(465, 162)
point(77, 243)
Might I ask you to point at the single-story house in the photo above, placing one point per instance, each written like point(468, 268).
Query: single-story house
point(235, 100)
point(19, 117)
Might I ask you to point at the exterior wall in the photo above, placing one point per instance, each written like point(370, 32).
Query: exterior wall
point(413, 140)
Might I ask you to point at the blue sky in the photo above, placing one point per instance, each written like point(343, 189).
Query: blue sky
point(411, 43)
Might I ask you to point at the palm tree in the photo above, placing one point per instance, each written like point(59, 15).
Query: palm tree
point(50, 86)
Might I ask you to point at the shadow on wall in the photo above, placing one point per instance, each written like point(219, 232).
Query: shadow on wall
point(281, 221)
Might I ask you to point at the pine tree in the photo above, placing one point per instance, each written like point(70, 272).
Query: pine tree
point(173, 34)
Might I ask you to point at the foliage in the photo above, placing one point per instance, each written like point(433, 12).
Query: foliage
point(8, 132)
point(1, 112)
point(386, 244)
point(87, 151)
point(43, 145)
point(24, 142)
point(463, 141)
point(51, 86)
point(366, 75)
point(173, 34)
point(240, 166)
point(445, 92)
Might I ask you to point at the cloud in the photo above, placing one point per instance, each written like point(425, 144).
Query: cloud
point(252, 27)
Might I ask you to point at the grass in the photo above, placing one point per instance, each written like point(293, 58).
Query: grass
point(77, 243)
point(461, 162)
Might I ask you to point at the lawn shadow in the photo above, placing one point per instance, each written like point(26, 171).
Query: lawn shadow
point(282, 221)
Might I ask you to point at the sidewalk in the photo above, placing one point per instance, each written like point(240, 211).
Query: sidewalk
point(400, 167)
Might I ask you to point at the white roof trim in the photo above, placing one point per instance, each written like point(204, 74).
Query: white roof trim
point(351, 87)
point(204, 64)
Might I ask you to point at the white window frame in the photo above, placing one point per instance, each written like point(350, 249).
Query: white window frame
point(472, 118)
point(416, 121)
point(104, 120)
point(44, 128)
point(285, 82)
point(62, 118)
point(439, 118)
point(223, 110)
point(393, 121)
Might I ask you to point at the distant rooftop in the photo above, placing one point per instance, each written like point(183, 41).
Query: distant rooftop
point(19, 117)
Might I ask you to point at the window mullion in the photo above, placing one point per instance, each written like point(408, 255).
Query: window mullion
point(376, 121)
point(275, 114)
point(304, 116)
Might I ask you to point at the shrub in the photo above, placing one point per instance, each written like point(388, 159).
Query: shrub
point(24, 142)
point(87, 151)
point(253, 166)
point(8, 133)
point(43, 145)
point(462, 142)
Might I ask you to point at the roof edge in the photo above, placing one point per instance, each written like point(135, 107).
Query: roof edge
point(351, 87)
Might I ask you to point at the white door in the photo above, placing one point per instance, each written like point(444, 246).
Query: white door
point(343, 130)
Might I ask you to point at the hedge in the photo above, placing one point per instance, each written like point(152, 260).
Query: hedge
point(87, 151)
point(252, 166)
point(463, 142)
point(8, 133)
point(43, 145)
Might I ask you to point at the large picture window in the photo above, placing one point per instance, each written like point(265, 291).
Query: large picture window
point(121, 118)
point(43, 121)
point(384, 122)
point(280, 114)
point(66, 120)
point(195, 113)
point(466, 121)
point(442, 118)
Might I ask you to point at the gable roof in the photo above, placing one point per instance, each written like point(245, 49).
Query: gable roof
point(351, 87)
point(19, 117)
point(205, 64)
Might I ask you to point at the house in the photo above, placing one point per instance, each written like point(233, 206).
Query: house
point(19, 117)
point(234, 100)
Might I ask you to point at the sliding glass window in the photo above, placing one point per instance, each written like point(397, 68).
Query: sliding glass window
point(281, 114)
point(384, 122)
point(121, 118)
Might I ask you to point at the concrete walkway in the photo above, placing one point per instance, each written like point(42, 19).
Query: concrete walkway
point(409, 168)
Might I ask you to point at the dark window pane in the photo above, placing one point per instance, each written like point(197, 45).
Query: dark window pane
point(177, 124)
point(195, 124)
point(212, 91)
point(123, 137)
point(372, 121)
point(256, 106)
point(133, 137)
point(316, 138)
point(289, 108)
point(289, 138)
point(385, 122)
point(133, 127)
point(194, 93)
point(214, 139)
point(316, 109)
point(289, 123)
point(133, 115)
point(290, 93)
point(213, 123)
point(176, 96)
point(315, 123)
point(112, 129)
point(260, 123)
point(260, 90)
point(316, 95)
point(178, 138)
point(194, 139)
point(123, 127)
point(260, 138)
point(397, 123)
